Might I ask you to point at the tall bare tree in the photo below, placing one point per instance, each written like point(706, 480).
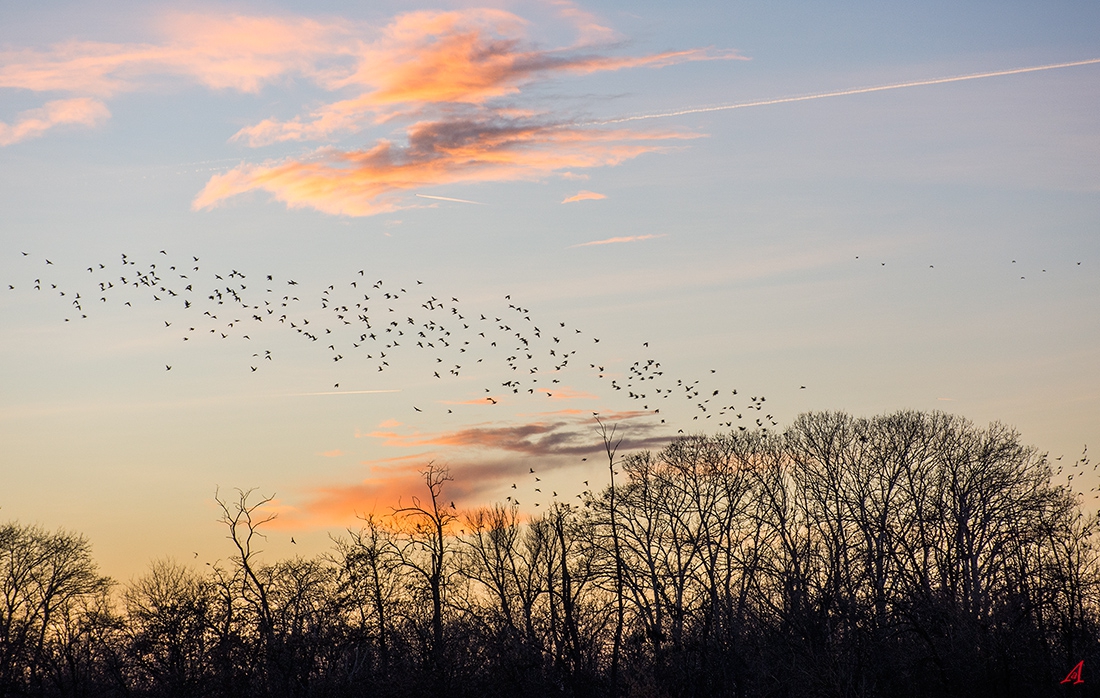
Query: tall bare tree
point(424, 546)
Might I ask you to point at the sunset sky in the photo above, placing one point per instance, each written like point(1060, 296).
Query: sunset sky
point(708, 188)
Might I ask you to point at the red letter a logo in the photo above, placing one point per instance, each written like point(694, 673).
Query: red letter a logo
point(1075, 675)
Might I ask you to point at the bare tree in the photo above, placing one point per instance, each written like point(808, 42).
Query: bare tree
point(243, 520)
point(368, 564)
point(611, 446)
point(908, 554)
point(424, 547)
point(46, 580)
point(169, 629)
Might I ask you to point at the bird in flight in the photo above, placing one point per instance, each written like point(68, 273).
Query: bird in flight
point(441, 327)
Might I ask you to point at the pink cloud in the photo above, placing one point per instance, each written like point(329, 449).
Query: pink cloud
point(587, 25)
point(218, 51)
point(439, 80)
point(246, 53)
point(454, 77)
point(335, 453)
point(472, 56)
point(610, 241)
point(364, 183)
point(457, 58)
point(80, 111)
point(583, 195)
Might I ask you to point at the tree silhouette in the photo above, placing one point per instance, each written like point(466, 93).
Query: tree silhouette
point(909, 554)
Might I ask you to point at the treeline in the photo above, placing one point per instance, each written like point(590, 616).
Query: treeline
point(911, 554)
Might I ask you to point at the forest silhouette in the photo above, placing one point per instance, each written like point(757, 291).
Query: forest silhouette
point(908, 554)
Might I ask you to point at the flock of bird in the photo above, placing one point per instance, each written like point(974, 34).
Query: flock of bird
point(370, 323)
point(378, 323)
point(1078, 470)
point(933, 266)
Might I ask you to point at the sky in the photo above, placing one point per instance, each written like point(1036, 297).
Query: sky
point(319, 245)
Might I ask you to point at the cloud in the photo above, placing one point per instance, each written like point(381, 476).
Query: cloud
point(365, 182)
point(451, 83)
point(220, 52)
point(215, 50)
point(335, 453)
point(556, 436)
point(449, 72)
point(482, 459)
point(583, 195)
point(609, 241)
point(391, 480)
point(587, 25)
point(461, 58)
point(80, 111)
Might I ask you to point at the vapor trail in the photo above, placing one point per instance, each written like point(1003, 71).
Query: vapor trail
point(447, 198)
point(853, 91)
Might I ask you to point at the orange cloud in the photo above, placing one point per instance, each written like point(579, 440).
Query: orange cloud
point(609, 241)
point(388, 488)
point(335, 453)
point(583, 195)
point(455, 74)
point(483, 461)
point(471, 56)
point(363, 183)
point(462, 57)
point(393, 482)
point(81, 111)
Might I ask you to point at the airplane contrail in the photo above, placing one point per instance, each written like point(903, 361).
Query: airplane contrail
point(447, 198)
point(853, 91)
